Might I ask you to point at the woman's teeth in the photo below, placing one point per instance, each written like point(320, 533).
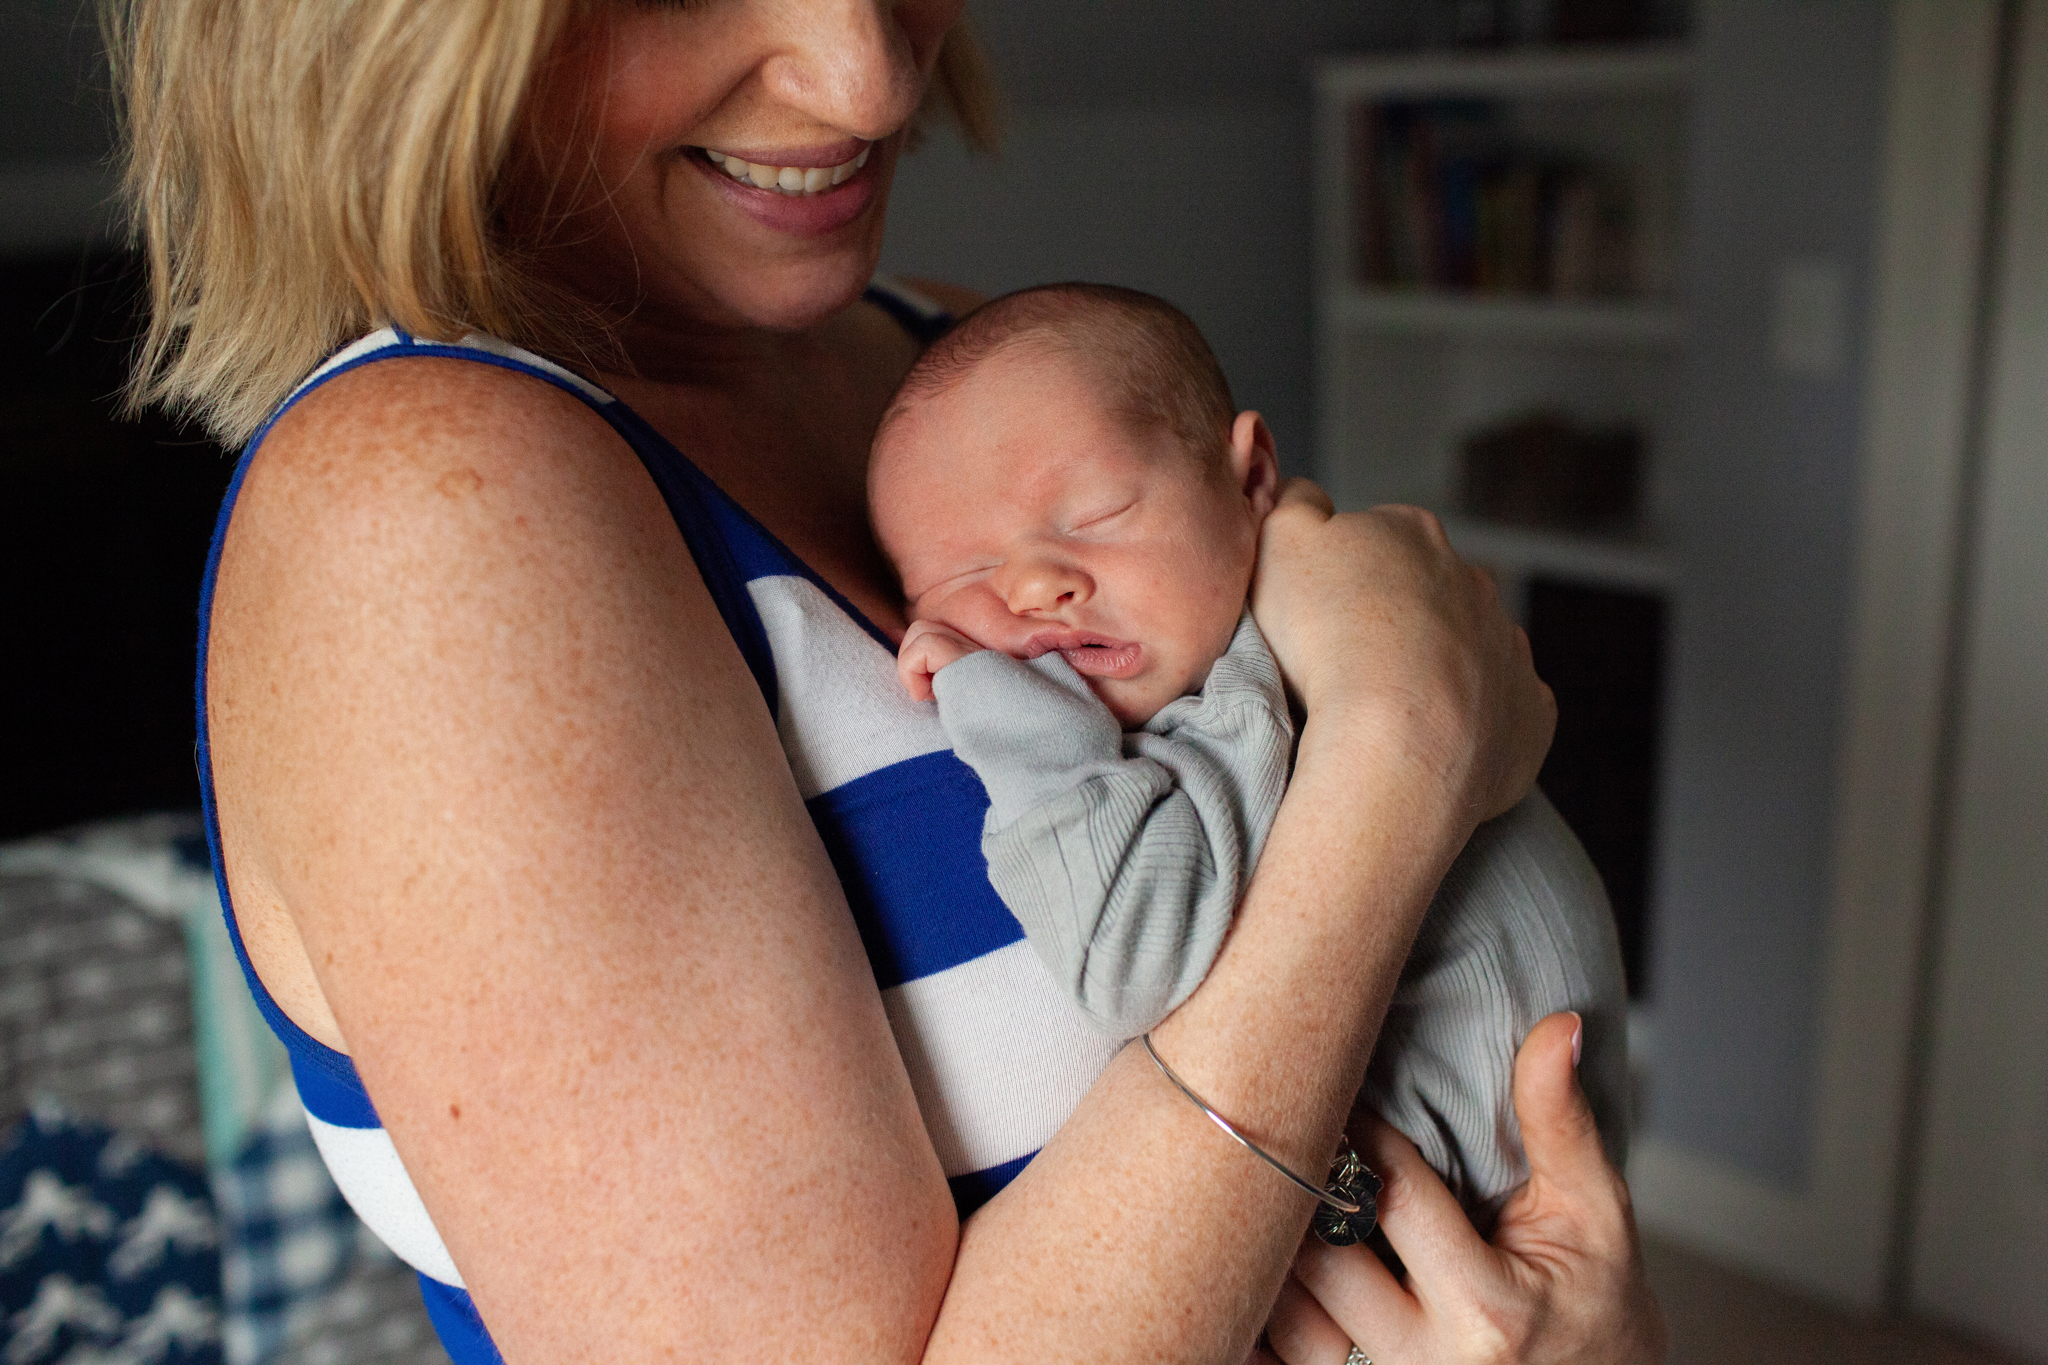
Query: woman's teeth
point(788, 179)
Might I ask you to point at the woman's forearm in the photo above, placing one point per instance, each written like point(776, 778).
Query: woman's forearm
point(1141, 1232)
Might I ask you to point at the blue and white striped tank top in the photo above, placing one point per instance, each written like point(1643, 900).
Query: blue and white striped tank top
point(997, 1055)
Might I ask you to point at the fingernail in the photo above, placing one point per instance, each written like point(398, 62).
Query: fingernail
point(1578, 1038)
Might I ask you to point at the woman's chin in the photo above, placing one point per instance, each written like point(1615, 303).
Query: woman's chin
point(778, 284)
point(794, 296)
point(748, 294)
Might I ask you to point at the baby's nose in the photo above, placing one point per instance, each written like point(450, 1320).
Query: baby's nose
point(1047, 585)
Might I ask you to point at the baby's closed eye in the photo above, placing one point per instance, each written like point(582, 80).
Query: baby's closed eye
point(1090, 520)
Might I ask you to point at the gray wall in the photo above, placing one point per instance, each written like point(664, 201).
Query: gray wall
point(1786, 141)
point(51, 83)
point(1206, 207)
point(54, 125)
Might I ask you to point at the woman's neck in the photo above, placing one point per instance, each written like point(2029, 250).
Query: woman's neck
point(782, 423)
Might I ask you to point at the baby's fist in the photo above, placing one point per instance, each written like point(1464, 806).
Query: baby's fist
point(928, 647)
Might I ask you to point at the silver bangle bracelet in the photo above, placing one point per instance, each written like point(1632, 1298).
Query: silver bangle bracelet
point(1349, 1205)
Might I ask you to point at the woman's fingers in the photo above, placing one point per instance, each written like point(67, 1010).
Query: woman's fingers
point(1301, 494)
point(1571, 1185)
point(1366, 600)
point(1422, 1221)
point(1573, 1221)
point(1563, 1279)
point(1302, 1330)
point(1372, 615)
point(1361, 1299)
point(1558, 1132)
point(1575, 1198)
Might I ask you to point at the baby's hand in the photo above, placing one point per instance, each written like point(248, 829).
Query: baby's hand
point(928, 647)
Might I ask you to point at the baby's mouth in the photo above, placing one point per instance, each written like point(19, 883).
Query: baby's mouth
point(1090, 654)
point(789, 180)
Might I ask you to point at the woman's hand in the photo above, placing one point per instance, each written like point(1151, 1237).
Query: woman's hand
point(1374, 614)
point(1562, 1281)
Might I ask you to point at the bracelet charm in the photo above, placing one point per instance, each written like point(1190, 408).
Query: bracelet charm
point(1355, 1183)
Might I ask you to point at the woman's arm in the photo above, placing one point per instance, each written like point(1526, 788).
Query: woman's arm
point(481, 735)
point(493, 778)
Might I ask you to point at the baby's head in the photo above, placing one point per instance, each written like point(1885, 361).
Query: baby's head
point(1065, 470)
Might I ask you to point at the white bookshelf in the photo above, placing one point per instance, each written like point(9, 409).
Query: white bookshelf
point(1634, 562)
point(1404, 375)
point(1509, 73)
point(1648, 323)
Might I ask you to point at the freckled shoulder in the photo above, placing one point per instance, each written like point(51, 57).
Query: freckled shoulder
point(453, 425)
point(464, 494)
point(409, 500)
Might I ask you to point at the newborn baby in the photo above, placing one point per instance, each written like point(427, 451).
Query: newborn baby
point(1073, 504)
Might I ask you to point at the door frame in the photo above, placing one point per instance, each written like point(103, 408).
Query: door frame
point(1837, 1237)
point(1978, 1230)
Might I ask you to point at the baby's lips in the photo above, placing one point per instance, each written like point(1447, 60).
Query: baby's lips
point(1064, 639)
point(1105, 661)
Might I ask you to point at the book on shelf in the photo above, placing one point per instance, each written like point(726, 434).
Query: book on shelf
point(1511, 23)
point(1448, 199)
point(1545, 469)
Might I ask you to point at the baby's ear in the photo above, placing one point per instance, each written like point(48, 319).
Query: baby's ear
point(1254, 463)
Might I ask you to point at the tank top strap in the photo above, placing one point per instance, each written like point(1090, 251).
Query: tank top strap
point(925, 318)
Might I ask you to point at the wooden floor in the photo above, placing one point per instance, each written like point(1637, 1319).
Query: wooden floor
point(1721, 1317)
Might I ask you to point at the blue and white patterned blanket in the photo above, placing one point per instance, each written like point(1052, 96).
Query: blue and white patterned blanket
point(109, 1251)
point(121, 1006)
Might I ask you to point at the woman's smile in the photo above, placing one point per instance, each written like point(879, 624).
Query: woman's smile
point(805, 175)
point(797, 192)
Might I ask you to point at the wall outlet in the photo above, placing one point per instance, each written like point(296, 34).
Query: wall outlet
point(1809, 305)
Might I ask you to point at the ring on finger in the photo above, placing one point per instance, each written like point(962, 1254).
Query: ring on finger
point(1357, 1356)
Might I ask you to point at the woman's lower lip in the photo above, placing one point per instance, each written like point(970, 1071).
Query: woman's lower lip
point(809, 215)
point(1090, 661)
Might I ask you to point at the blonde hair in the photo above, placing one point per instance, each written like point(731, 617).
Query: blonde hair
point(299, 172)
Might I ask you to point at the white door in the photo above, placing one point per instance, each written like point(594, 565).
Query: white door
point(1980, 1237)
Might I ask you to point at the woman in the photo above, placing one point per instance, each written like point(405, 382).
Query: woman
point(491, 704)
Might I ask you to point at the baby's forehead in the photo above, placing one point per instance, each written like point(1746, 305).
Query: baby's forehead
point(1044, 364)
point(1031, 382)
